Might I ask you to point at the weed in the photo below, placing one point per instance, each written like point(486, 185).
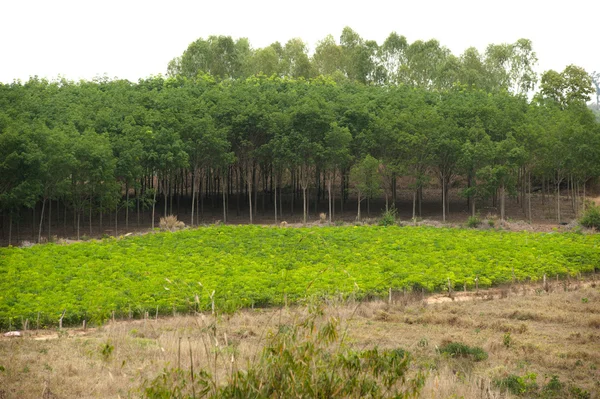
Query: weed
point(170, 223)
point(473, 222)
point(306, 359)
point(457, 349)
point(591, 218)
point(106, 350)
point(388, 218)
point(507, 340)
point(518, 385)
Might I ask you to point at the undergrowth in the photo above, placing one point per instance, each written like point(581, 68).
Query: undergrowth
point(308, 359)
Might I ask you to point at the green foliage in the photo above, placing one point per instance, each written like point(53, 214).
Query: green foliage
point(507, 340)
point(106, 350)
point(518, 385)
point(252, 265)
point(306, 359)
point(457, 350)
point(473, 222)
point(591, 218)
point(388, 218)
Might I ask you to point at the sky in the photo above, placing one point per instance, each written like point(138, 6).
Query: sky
point(133, 39)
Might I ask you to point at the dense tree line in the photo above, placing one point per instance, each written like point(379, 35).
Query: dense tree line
point(229, 123)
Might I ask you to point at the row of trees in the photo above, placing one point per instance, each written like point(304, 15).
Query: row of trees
point(425, 64)
point(105, 147)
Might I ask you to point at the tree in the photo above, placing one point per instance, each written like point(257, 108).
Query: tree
point(366, 180)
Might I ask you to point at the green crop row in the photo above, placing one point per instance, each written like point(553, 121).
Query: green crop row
point(243, 266)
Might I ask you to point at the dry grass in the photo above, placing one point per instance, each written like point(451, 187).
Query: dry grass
point(170, 223)
point(554, 333)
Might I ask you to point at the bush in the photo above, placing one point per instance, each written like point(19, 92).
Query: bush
point(473, 222)
point(457, 349)
point(303, 360)
point(388, 218)
point(170, 223)
point(591, 218)
point(518, 385)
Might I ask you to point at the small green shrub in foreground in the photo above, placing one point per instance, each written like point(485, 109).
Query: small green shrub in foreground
point(305, 360)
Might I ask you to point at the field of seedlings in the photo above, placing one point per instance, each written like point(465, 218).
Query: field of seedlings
point(233, 267)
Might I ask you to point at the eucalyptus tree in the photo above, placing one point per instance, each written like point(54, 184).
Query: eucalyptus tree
point(512, 66)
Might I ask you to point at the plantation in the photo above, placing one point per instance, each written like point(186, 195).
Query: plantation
point(245, 266)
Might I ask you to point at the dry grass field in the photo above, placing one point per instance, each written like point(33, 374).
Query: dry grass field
point(541, 343)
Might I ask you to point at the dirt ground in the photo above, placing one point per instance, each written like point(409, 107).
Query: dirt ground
point(527, 330)
point(544, 216)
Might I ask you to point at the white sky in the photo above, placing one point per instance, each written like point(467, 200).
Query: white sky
point(133, 39)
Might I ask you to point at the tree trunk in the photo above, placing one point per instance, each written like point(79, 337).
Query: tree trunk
point(250, 194)
point(153, 207)
point(443, 199)
point(194, 174)
point(558, 201)
point(329, 199)
point(275, 192)
point(358, 212)
point(414, 207)
point(126, 206)
point(41, 221)
point(10, 228)
point(224, 193)
point(49, 219)
point(78, 218)
point(304, 205)
point(502, 200)
point(90, 216)
point(529, 197)
point(137, 203)
point(166, 195)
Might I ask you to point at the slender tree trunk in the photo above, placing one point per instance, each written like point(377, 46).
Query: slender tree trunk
point(49, 219)
point(304, 205)
point(90, 216)
point(329, 200)
point(414, 204)
point(443, 198)
point(41, 221)
point(165, 194)
point(137, 203)
point(78, 219)
point(558, 201)
point(583, 203)
point(473, 207)
point(224, 193)
point(502, 200)
point(126, 206)
point(10, 223)
point(358, 212)
point(153, 207)
point(250, 194)
point(529, 197)
point(275, 192)
point(194, 173)
point(116, 221)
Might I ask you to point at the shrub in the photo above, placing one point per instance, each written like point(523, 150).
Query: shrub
point(591, 218)
point(457, 349)
point(303, 360)
point(473, 222)
point(388, 218)
point(170, 223)
point(517, 385)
